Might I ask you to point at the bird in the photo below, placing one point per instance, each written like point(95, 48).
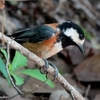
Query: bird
point(47, 40)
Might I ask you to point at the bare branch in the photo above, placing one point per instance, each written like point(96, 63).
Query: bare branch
point(71, 90)
point(7, 64)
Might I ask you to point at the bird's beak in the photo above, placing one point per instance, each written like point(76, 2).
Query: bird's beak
point(81, 48)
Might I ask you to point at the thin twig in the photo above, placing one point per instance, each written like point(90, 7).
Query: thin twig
point(69, 88)
point(87, 90)
point(32, 91)
point(7, 64)
point(8, 56)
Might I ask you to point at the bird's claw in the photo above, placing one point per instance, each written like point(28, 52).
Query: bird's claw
point(44, 70)
point(46, 67)
point(55, 71)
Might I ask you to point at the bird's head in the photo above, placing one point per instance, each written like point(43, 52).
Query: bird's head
point(71, 34)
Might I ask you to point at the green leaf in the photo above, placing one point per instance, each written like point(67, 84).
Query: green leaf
point(4, 52)
point(60, 71)
point(36, 74)
point(87, 34)
point(50, 83)
point(18, 61)
point(10, 67)
point(19, 80)
point(2, 68)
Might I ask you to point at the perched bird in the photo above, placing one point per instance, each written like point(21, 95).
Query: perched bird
point(48, 39)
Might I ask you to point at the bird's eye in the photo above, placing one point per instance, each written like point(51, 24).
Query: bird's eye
point(81, 37)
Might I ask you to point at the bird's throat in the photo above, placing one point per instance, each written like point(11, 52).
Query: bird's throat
point(66, 41)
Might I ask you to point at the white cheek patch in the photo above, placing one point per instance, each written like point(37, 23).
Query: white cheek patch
point(72, 33)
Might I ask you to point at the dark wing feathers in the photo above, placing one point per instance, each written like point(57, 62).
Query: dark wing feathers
point(34, 35)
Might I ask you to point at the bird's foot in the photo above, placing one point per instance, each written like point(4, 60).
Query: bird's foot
point(43, 70)
point(47, 66)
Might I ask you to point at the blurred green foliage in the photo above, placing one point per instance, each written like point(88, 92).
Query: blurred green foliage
point(87, 34)
point(18, 62)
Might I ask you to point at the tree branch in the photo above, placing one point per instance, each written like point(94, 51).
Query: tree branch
point(7, 64)
point(71, 90)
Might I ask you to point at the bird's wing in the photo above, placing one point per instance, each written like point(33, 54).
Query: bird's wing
point(34, 35)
